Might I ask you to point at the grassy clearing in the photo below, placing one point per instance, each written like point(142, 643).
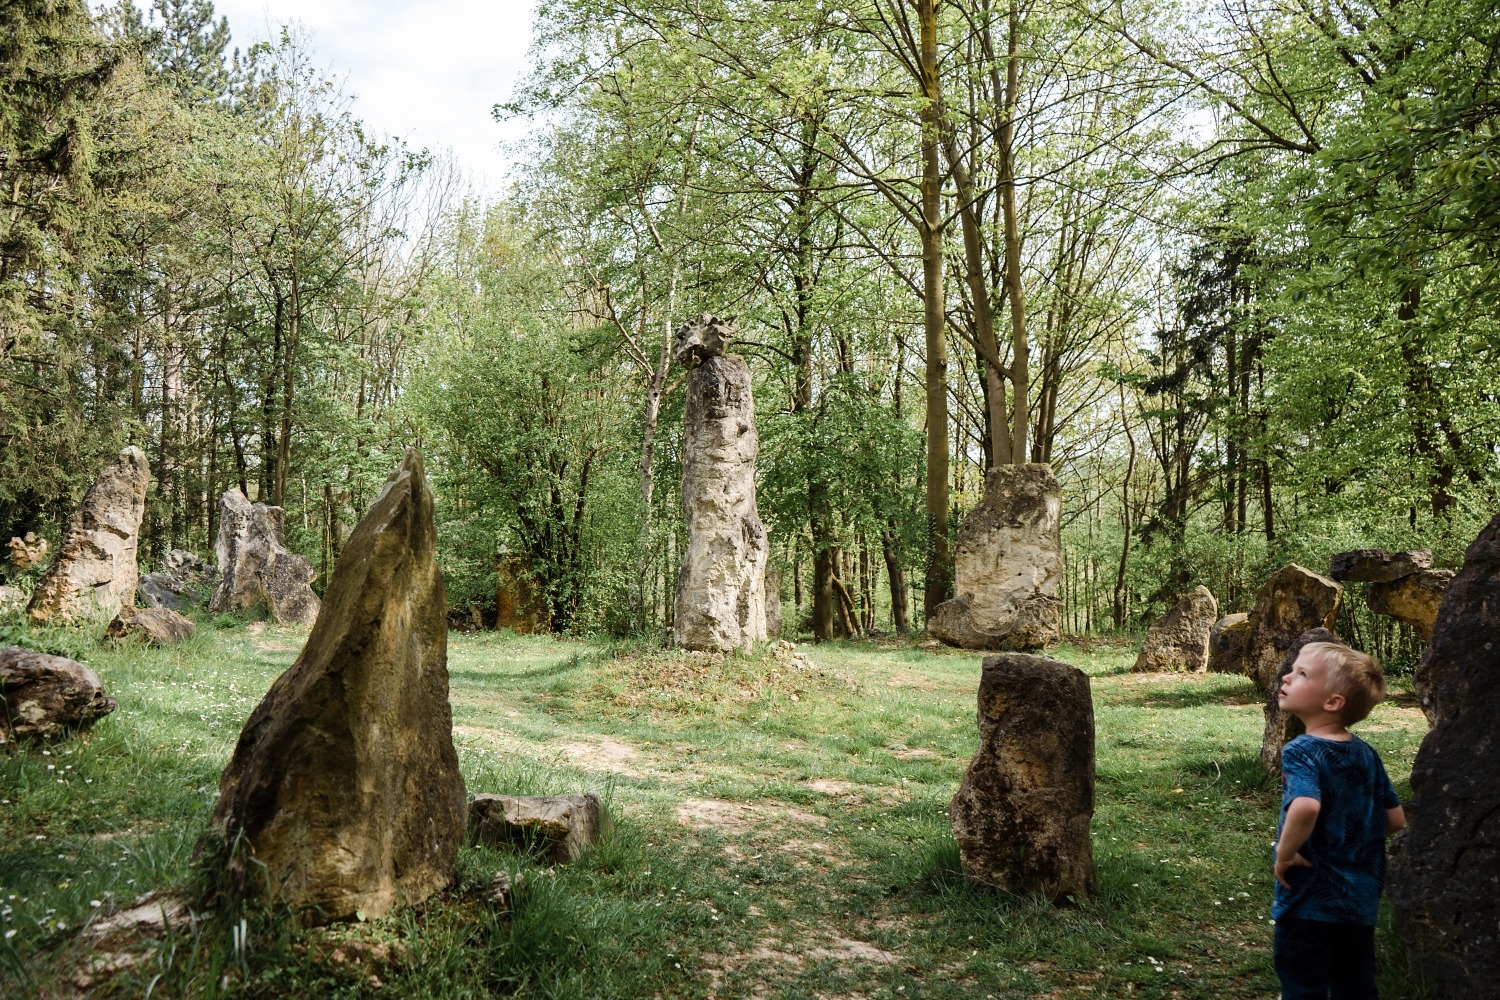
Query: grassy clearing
point(781, 832)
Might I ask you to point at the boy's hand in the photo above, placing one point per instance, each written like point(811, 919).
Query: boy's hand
point(1282, 867)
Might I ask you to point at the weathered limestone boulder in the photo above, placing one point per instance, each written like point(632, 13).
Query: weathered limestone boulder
point(1007, 565)
point(154, 626)
point(1411, 599)
point(1021, 816)
point(1293, 601)
point(560, 827)
point(27, 552)
point(345, 783)
point(11, 598)
point(94, 573)
point(696, 342)
point(185, 581)
point(255, 566)
point(1444, 879)
point(721, 596)
point(43, 697)
point(1377, 565)
point(1282, 728)
point(1226, 644)
point(520, 605)
point(1179, 641)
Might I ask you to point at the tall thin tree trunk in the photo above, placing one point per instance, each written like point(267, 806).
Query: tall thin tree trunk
point(939, 574)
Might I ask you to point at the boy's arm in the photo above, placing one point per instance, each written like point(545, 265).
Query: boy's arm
point(1395, 819)
point(1301, 817)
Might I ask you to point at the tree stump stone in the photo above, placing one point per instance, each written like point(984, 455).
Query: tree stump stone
point(344, 786)
point(1007, 565)
point(44, 697)
point(94, 574)
point(1179, 640)
point(1021, 816)
point(1444, 879)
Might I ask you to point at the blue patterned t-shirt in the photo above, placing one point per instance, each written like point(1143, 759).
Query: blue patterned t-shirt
point(1347, 846)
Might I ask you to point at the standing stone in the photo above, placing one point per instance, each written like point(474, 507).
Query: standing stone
point(1226, 644)
point(1293, 601)
point(1282, 728)
point(1179, 641)
point(345, 784)
point(255, 566)
point(94, 574)
point(520, 605)
point(1007, 565)
point(1411, 599)
point(721, 597)
point(27, 552)
point(1377, 565)
point(154, 626)
point(43, 697)
point(1445, 869)
point(1021, 816)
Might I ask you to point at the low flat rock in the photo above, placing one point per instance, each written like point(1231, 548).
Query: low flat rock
point(1179, 641)
point(343, 795)
point(154, 626)
point(1444, 879)
point(1377, 565)
point(561, 827)
point(1412, 599)
point(1021, 816)
point(1226, 644)
point(44, 697)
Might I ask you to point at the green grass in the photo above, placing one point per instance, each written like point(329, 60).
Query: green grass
point(781, 831)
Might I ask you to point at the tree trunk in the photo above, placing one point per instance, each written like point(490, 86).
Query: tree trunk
point(939, 573)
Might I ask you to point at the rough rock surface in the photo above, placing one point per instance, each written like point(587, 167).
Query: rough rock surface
point(520, 604)
point(696, 342)
point(721, 596)
point(345, 782)
point(156, 626)
point(94, 573)
point(1021, 816)
point(1293, 601)
point(11, 598)
point(1007, 565)
point(1411, 599)
point(561, 827)
point(255, 566)
point(1281, 728)
point(27, 552)
point(774, 620)
point(1377, 565)
point(1179, 641)
point(43, 697)
point(1445, 869)
point(185, 581)
point(1226, 644)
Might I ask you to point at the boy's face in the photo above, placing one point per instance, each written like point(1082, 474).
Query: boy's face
point(1304, 691)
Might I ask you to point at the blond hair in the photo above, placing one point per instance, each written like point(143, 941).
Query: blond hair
point(1355, 675)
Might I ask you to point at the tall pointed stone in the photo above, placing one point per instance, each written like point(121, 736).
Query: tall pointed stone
point(94, 574)
point(345, 783)
point(721, 586)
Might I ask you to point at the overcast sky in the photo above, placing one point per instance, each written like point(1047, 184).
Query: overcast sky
point(428, 71)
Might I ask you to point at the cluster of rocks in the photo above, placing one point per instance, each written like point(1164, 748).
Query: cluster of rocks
point(1400, 585)
point(1007, 565)
point(185, 581)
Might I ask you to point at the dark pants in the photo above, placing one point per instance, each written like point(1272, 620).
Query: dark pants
point(1317, 960)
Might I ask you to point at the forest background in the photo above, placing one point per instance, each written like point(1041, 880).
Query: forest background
point(1230, 269)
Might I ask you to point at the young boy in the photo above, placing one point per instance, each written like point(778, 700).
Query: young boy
point(1337, 808)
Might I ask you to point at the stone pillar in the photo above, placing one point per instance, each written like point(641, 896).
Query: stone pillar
point(1445, 868)
point(1282, 727)
point(1293, 601)
point(255, 566)
point(1007, 565)
point(1179, 641)
point(343, 795)
point(1022, 814)
point(721, 599)
point(94, 574)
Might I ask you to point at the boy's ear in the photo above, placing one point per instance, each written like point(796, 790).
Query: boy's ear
point(1334, 702)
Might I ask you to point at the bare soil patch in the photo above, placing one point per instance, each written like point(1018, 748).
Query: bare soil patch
point(742, 817)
